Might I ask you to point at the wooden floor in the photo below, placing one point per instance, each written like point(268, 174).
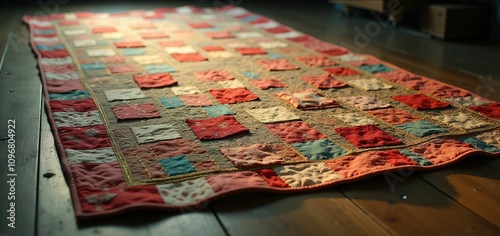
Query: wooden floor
point(462, 199)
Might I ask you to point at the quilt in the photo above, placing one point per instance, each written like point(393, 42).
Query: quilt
point(174, 107)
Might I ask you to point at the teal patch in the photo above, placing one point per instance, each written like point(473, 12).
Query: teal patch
point(250, 75)
point(480, 144)
point(93, 66)
point(275, 55)
point(133, 51)
point(177, 165)
point(421, 128)
point(73, 95)
point(250, 18)
point(156, 69)
point(219, 110)
point(40, 31)
point(417, 158)
point(378, 68)
point(320, 149)
point(172, 102)
point(50, 47)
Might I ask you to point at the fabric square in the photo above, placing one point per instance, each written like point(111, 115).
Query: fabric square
point(133, 51)
point(204, 165)
point(377, 68)
point(295, 132)
point(306, 174)
point(158, 69)
point(213, 75)
point(93, 156)
point(196, 100)
point(268, 83)
point(136, 111)
point(171, 43)
point(180, 50)
point(184, 90)
point(100, 30)
point(342, 71)
point(316, 61)
point(54, 53)
point(84, 138)
point(200, 25)
point(154, 81)
point(416, 158)
point(113, 59)
point(63, 86)
point(80, 105)
point(278, 30)
point(189, 57)
point(148, 59)
point(468, 101)
point(277, 65)
point(211, 48)
point(394, 116)
point(250, 75)
point(216, 128)
point(106, 52)
point(421, 128)
point(130, 44)
point(219, 35)
point(366, 103)
point(171, 102)
point(112, 35)
point(77, 119)
point(308, 100)
point(248, 35)
point(492, 110)
point(367, 136)
point(124, 94)
point(153, 35)
point(272, 44)
point(220, 54)
point(233, 95)
point(480, 144)
point(231, 84)
point(324, 81)
point(275, 55)
point(370, 84)
point(219, 110)
point(185, 192)
point(73, 95)
point(421, 102)
point(259, 155)
point(177, 165)
point(355, 119)
point(121, 69)
point(351, 57)
point(153, 133)
point(250, 51)
point(461, 120)
point(80, 43)
point(272, 114)
point(323, 149)
point(443, 150)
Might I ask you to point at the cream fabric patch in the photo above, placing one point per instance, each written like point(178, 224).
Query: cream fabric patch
point(112, 35)
point(92, 156)
point(61, 76)
point(79, 43)
point(220, 54)
point(267, 25)
point(124, 94)
point(467, 101)
point(153, 133)
point(237, 44)
point(366, 103)
point(148, 59)
point(45, 40)
point(77, 119)
point(272, 114)
point(491, 138)
point(180, 50)
point(56, 61)
point(186, 192)
point(461, 120)
point(74, 32)
point(273, 44)
point(70, 16)
point(351, 57)
point(355, 119)
point(306, 174)
point(291, 34)
point(185, 90)
point(248, 35)
point(232, 84)
point(105, 52)
point(370, 84)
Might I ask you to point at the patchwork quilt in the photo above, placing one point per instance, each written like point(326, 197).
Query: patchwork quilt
point(174, 107)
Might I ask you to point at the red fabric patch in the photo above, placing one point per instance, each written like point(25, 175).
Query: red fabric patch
point(322, 47)
point(59, 69)
point(491, 110)
point(342, 71)
point(82, 105)
point(200, 25)
point(63, 86)
point(137, 111)
point(69, 23)
point(132, 44)
point(318, 61)
point(250, 51)
point(441, 151)
point(324, 81)
point(219, 35)
point(196, 100)
point(244, 15)
point(212, 48)
point(113, 59)
point(216, 128)
point(396, 158)
point(142, 25)
point(335, 52)
point(367, 136)
point(277, 65)
point(188, 57)
point(171, 43)
point(213, 75)
point(420, 101)
point(233, 95)
point(154, 80)
point(259, 20)
point(301, 38)
point(369, 61)
point(120, 69)
point(54, 53)
point(295, 132)
point(398, 76)
point(278, 30)
point(153, 35)
point(45, 35)
point(101, 30)
point(154, 16)
point(270, 176)
point(84, 138)
point(307, 99)
point(268, 83)
point(394, 116)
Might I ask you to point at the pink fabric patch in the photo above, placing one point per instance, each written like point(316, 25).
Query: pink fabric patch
point(268, 83)
point(213, 75)
point(189, 57)
point(84, 138)
point(175, 147)
point(196, 100)
point(154, 80)
point(324, 81)
point(229, 182)
point(113, 59)
point(250, 51)
point(233, 95)
point(367, 136)
point(277, 65)
point(441, 151)
point(171, 43)
point(120, 69)
point(101, 30)
point(219, 35)
point(59, 69)
point(317, 61)
point(99, 176)
point(153, 35)
point(394, 116)
point(295, 132)
point(212, 48)
point(131, 44)
point(307, 100)
point(278, 30)
point(54, 53)
point(63, 86)
point(200, 25)
point(81, 105)
point(69, 23)
point(216, 128)
point(137, 111)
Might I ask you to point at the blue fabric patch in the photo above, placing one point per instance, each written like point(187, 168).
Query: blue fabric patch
point(73, 95)
point(133, 51)
point(275, 55)
point(249, 18)
point(40, 31)
point(323, 149)
point(378, 68)
point(420, 160)
point(250, 75)
point(50, 47)
point(421, 128)
point(177, 165)
point(480, 144)
point(101, 42)
point(156, 69)
point(172, 102)
point(219, 110)
point(93, 66)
